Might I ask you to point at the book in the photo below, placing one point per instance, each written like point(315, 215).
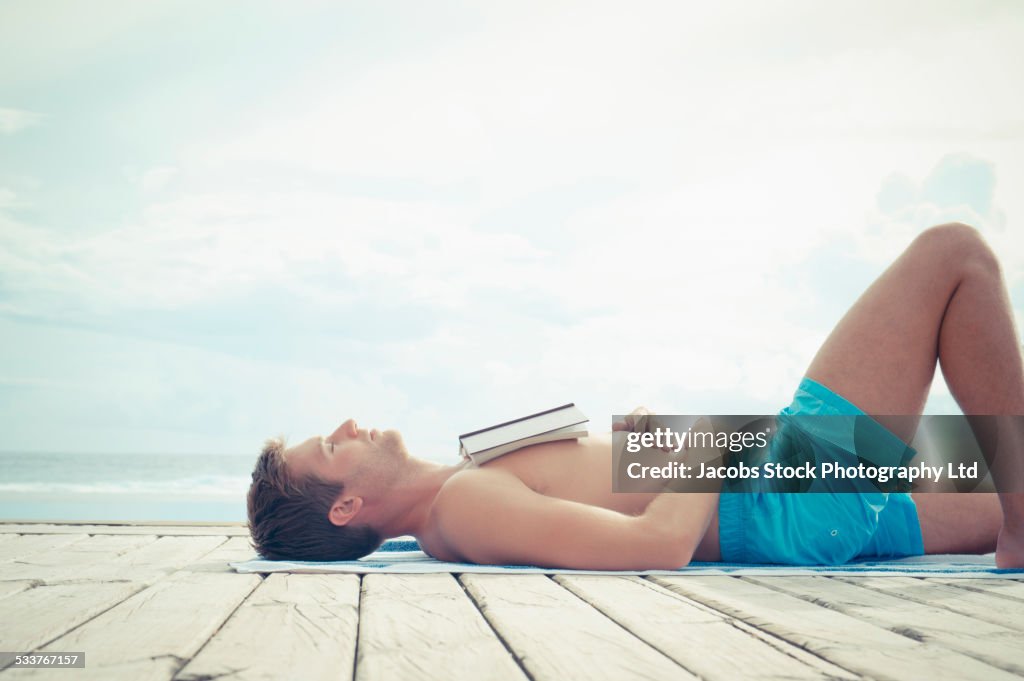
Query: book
point(561, 423)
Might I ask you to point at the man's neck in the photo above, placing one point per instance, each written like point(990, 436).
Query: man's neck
point(414, 493)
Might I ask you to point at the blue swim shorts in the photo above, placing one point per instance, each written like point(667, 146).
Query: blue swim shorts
point(821, 527)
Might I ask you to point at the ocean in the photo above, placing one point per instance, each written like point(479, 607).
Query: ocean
point(61, 486)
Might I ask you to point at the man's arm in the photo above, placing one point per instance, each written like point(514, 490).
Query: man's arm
point(492, 518)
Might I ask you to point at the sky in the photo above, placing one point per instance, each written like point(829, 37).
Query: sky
point(225, 221)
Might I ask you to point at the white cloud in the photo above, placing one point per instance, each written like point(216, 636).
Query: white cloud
point(204, 246)
point(740, 142)
point(15, 120)
point(672, 293)
point(111, 393)
point(959, 188)
point(157, 178)
point(653, 93)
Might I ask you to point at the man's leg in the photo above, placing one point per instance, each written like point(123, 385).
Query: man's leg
point(958, 523)
point(943, 299)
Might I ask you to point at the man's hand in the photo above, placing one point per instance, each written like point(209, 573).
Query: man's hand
point(640, 420)
point(636, 421)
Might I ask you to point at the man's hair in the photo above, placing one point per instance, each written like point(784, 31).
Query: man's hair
point(288, 515)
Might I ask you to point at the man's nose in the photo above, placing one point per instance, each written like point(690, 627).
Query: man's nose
point(347, 429)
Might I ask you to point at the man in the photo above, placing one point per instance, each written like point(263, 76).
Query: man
point(944, 299)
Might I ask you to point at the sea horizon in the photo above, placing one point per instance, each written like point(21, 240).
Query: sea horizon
point(123, 486)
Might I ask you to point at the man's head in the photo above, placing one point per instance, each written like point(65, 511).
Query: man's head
point(319, 499)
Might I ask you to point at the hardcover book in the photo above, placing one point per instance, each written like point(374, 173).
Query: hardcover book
point(561, 423)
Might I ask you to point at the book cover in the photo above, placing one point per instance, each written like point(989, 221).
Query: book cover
point(560, 423)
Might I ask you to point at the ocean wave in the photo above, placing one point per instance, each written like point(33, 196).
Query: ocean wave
point(205, 486)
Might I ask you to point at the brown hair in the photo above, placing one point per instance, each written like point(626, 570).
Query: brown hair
point(288, 518)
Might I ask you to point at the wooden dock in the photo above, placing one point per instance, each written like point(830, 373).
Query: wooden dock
point(160, 602)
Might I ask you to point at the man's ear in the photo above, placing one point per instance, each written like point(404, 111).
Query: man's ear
point(344, 509)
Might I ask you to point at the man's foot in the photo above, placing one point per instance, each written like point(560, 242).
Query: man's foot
point(1010, 549)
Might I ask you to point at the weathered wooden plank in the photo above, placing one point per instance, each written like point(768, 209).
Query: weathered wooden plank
point(151, 634)
point(425, 627)
point(103, 558)
point(1004, 588)
point(160, 530)
point(150, 561)
point(992, 643)
point(11, 588)
point(981, 605)
point(234, 550)
point(18, 545)
point(555, 635)
point(46, 612)
point(709, 644)
point(65, 562)
point(37, 616)
point(291, 627)
point(853, 644)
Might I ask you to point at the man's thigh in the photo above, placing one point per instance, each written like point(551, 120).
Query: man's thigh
point(958, 523)
point(881, 355)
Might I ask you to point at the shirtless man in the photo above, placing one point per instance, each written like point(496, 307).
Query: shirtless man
point(336, 497)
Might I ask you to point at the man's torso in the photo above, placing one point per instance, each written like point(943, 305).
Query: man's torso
point(575, 470)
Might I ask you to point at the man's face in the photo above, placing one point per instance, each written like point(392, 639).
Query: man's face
point(365, 460)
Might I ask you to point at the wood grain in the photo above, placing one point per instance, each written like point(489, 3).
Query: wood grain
point(37, 616)
point(152, 633)
point(426, 627)
point(141, 558)
point(290, 627)
point(18, 546)
point(856, 645)
point(982, 605)
point(555, 635)
point(708, 643)
point(995, 644)
point(65, 563)
point(1003, 588)
point(161, 601)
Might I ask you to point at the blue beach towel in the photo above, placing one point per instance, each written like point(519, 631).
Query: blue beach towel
point(403, 555)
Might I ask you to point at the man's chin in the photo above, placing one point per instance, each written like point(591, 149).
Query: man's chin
point(391, 440)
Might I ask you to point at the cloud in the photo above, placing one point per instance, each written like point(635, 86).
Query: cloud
point(645, 94)
point(962, 180)
point(15, 120)
point(661, 295)
point(157, 178)
point(659, 205)
point(960, 187)
point(111, 393)
point(212, 245)
point(959, 184)
point(647, 296)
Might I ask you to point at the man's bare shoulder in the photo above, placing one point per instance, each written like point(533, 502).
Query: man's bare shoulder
point(464, 506)
point(468, 486)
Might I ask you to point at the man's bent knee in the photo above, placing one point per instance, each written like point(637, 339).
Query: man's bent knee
point(950, 235)
point(958, 246)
